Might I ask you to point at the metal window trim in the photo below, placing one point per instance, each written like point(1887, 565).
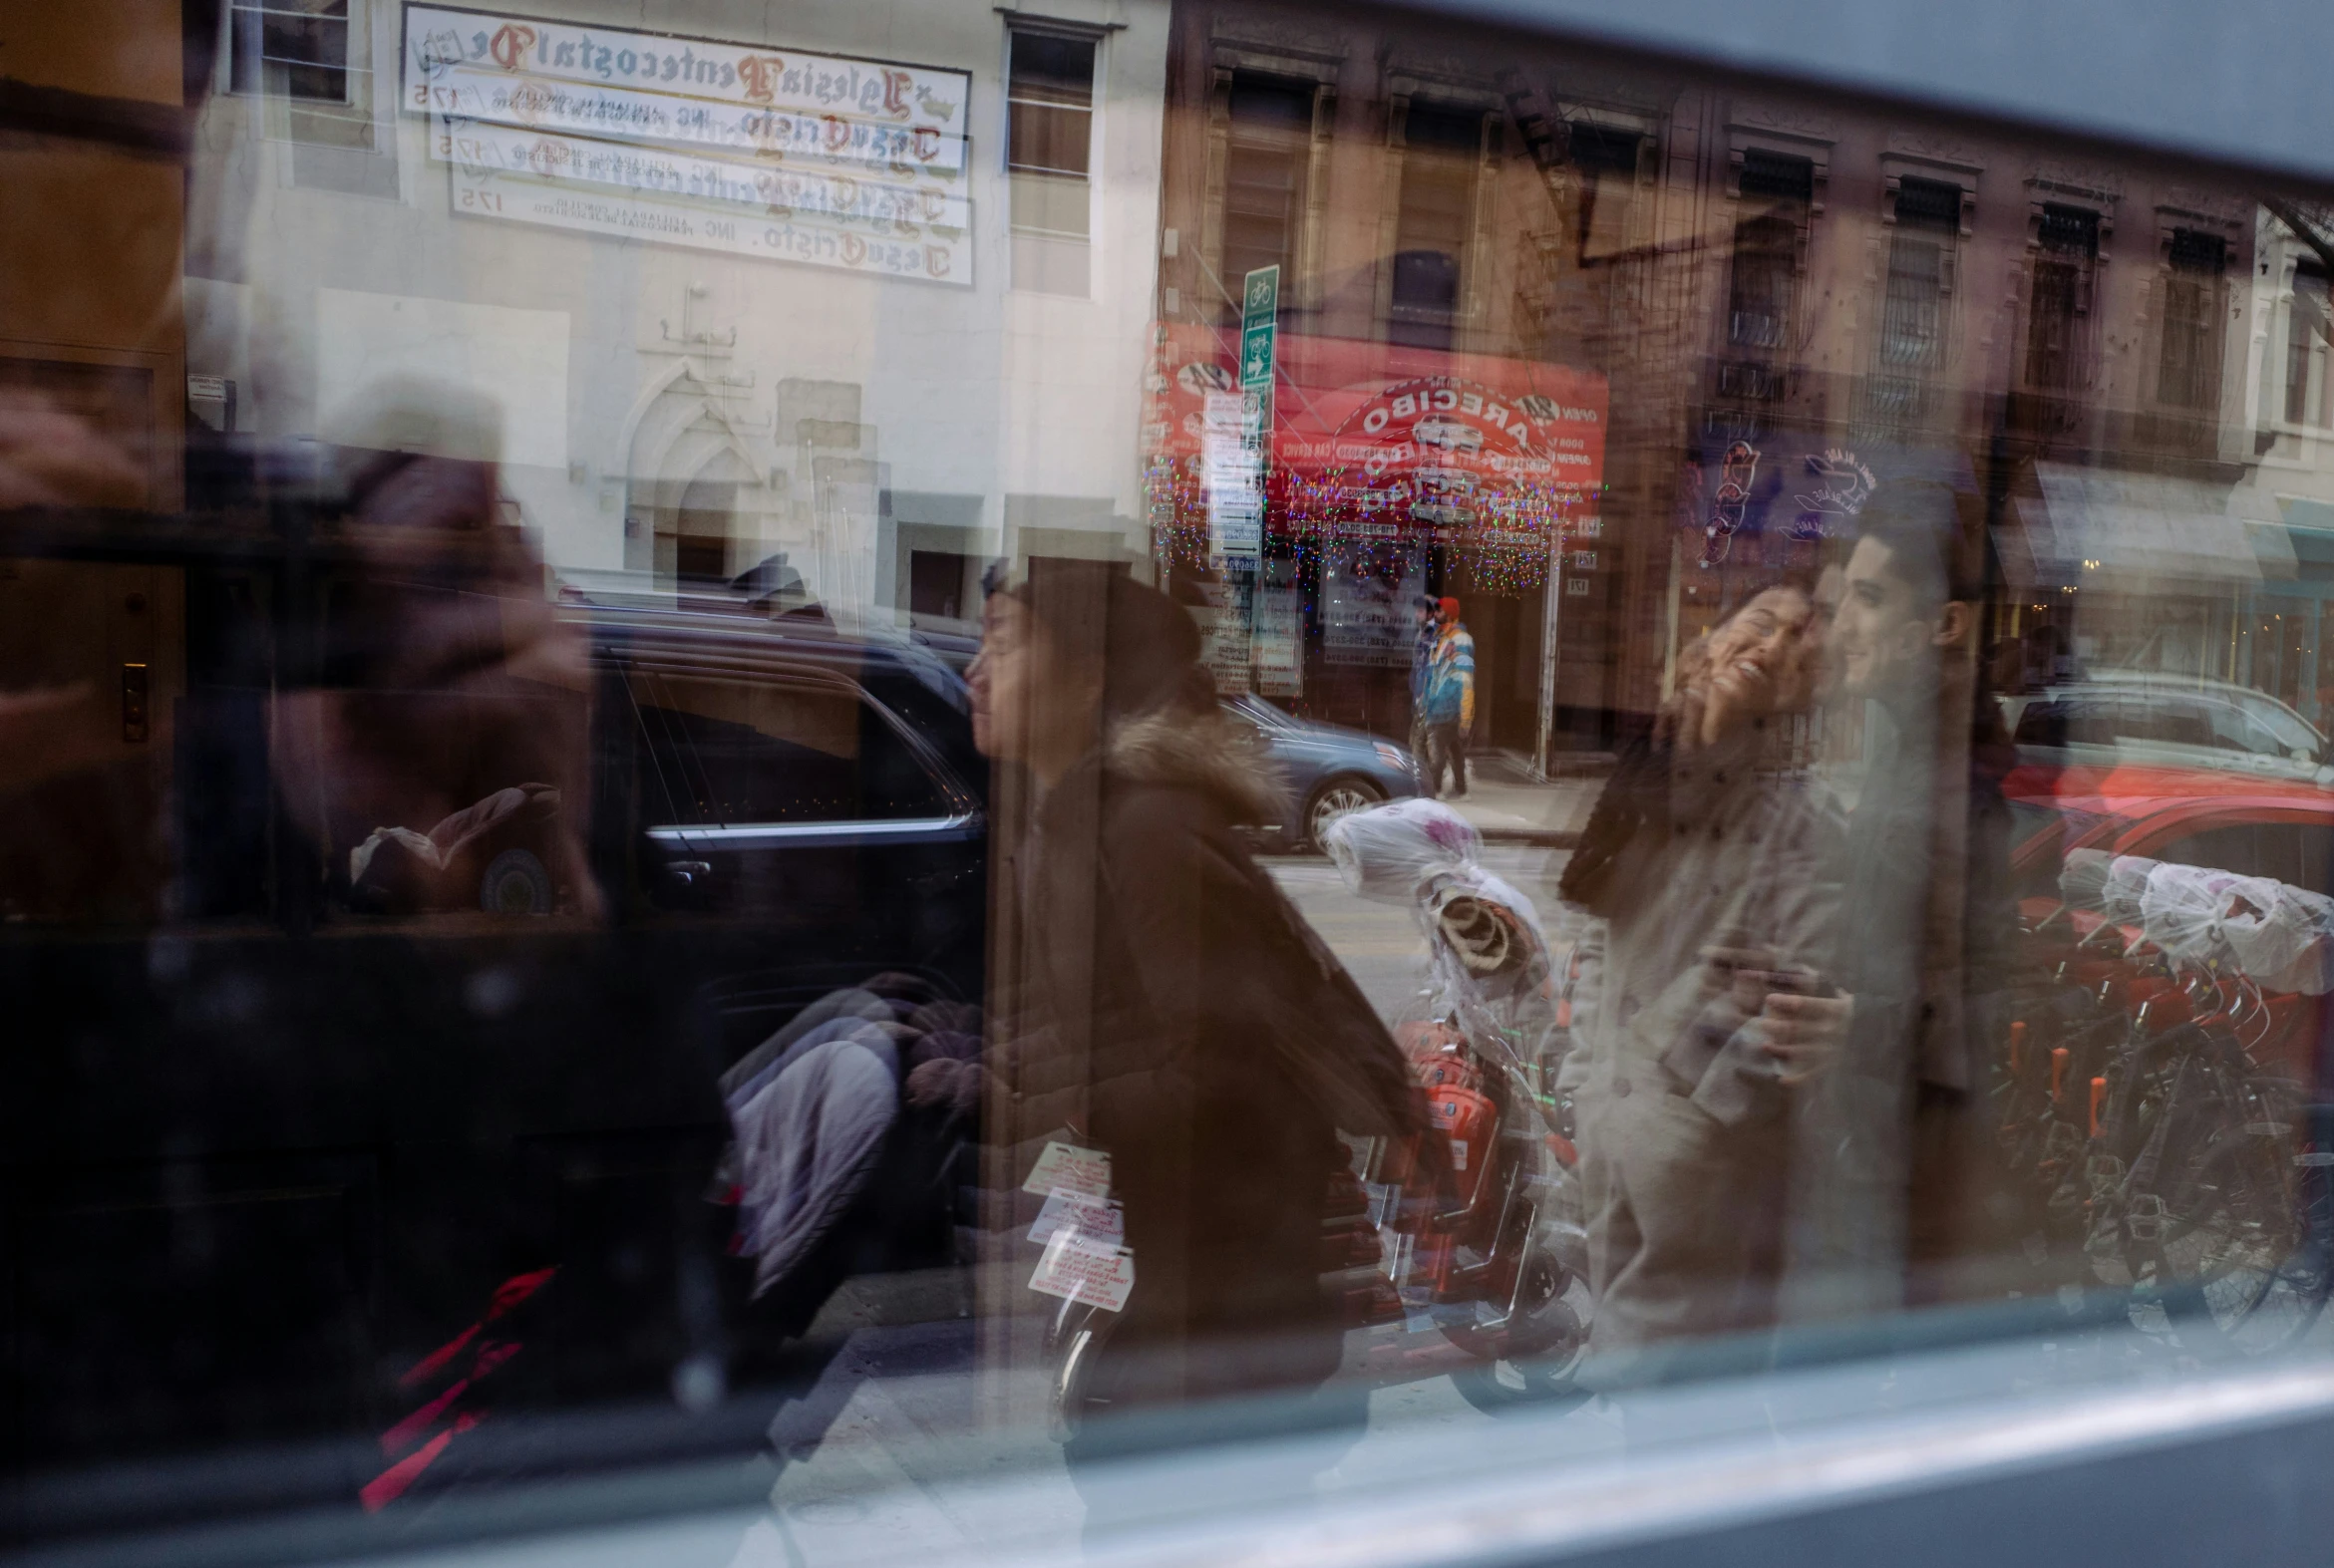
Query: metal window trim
point(1706, 1493)
point(1057, 26)
point(850, 832)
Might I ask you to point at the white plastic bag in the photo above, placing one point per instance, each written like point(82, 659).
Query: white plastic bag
point(2281, 935)
point(1387, 852)
point(2127, 880)
point(2181, 909)
point(2083, 877)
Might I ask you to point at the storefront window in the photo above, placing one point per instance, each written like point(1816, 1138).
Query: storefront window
point(811, 760)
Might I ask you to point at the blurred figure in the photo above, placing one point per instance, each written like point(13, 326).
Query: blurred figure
point(1424, 631)
point(451, 705)
point(1448, 700)
point(1174, 1011)
point(1888, 1143)
point(1707, 862)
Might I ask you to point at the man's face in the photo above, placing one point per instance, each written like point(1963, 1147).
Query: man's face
point(1762, 661)
point(1878, 637)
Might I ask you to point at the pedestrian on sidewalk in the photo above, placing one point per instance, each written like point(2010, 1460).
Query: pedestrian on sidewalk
point(1709, 863)
point(1422, 652)
point(1449, 701)
point(1169, 1009)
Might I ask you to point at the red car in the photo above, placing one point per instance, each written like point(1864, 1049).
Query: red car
point(2249, 825)
point(2253, 826)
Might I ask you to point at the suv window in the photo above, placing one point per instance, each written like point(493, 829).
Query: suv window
point(2301, 853)
point(2169, 720)
point(721, 751)
point(2236, 730)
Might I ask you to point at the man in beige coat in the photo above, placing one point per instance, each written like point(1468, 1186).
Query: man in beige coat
point(1711, 862)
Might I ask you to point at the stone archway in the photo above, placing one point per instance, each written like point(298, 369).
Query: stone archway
point(699, 502)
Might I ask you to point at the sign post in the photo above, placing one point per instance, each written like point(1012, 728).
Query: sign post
point(1259, 325)
point(1240, 436)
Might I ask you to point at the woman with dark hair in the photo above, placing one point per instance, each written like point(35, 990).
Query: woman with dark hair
point(1171, 1010)
point(1709, 863)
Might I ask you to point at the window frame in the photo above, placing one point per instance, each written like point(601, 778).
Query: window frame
point(1220, 297)
point(1019, 25)
point(1465, 304)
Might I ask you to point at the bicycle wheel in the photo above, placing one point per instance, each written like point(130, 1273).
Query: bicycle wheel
point(2237, 1266)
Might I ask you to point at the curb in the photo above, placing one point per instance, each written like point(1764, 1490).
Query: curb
point(1542, 837)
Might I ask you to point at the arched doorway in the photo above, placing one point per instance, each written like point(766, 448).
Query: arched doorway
point(699, 506)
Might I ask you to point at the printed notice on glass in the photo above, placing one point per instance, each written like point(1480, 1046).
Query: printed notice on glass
point(855, 165)
point(1084, 1269)
point(1096, 1219)
point(1065, 1167)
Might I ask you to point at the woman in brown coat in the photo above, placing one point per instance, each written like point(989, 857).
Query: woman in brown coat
point(1172, 1009)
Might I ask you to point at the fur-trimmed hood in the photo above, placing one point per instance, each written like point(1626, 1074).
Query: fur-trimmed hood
point(1206, 752)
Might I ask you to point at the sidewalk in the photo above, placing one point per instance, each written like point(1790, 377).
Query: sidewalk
point(1508, 806)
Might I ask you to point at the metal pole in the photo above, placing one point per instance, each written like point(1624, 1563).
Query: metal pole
point(1552, 622)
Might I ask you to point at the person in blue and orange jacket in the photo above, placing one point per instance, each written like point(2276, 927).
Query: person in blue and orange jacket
point(1448, 701)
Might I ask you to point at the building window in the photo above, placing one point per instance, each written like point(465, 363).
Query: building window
point(2189, 372)
point(1441, 160)
point(295, 49)
point(1912, 320)
point(1265, 163)
point(1913, 303)
point(2061, 300)
point(1763, 278)
point(1604, 162)
point(2305, 335)
point(1049, 155)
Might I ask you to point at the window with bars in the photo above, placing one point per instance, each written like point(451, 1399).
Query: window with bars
point(1763, 280)
point(1049, 147)
point(2305, 335)
point(1266, 157)
point(1441, 162)
point(2188, 371)
point(2060, 300)
point(1912, 318)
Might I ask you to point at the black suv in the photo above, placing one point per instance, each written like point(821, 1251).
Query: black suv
point(282, 1112)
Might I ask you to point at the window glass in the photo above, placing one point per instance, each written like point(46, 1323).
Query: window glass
point(2297, 853)
point(726, 754)
point(2305, 338)
point(1049, 138)
point(891, 766)
point(1267, 158)
point(294, 48)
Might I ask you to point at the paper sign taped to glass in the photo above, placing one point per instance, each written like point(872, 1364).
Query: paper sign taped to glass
point(1065, 1167)
point(1097, 1218)
point(1086, 1269)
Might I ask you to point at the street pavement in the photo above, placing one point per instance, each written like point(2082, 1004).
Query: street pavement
point(1505, 802)
point(1379, 944)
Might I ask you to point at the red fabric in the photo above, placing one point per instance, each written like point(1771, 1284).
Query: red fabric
point(436, 1361)
point(406, 1433)
point(391, 1485)
point(516, 1289)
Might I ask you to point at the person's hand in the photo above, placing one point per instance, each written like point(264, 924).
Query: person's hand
point(944, 1084)
point(932, 1083)
point(1742, 974)
point(1804, 1031)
